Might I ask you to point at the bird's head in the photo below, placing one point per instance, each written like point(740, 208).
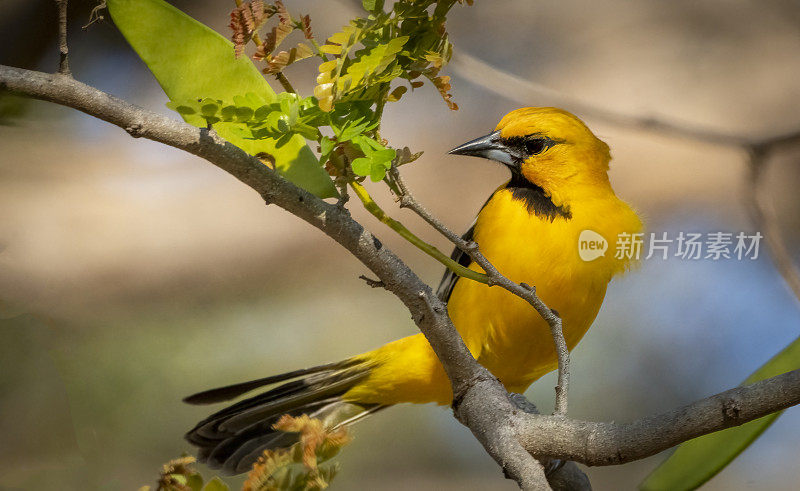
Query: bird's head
point(548, 148)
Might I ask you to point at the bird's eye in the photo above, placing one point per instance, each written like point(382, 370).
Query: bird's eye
point(535, 146)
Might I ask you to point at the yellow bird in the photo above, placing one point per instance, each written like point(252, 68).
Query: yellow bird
point(532, 229)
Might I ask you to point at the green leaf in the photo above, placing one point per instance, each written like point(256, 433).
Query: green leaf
point(698, 460)
point(374, 61)
point(184, 110)
point(195, 481)
point(190, 60)
point(209, 108)
point(377, 173)
point(362, 166)
point(386, 155)
point(308, 132)
point(326, 145)
point(262, 112)
point(244, 113)
point(228, 113)
point(372, 5)
point(179, 478)
point(331, 49)
point(216, 484)
point(353, 128)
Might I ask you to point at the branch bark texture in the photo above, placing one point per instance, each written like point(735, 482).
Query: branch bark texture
point(63, 49)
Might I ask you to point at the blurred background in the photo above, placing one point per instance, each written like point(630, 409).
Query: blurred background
point(132, 274)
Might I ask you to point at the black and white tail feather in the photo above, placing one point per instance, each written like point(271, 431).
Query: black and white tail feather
point(233, 438)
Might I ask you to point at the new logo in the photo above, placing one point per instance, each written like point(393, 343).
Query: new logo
point(591, 245)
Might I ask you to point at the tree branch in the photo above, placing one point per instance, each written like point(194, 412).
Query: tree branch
point(524, 91)
point(614, 443)
point(371, 283)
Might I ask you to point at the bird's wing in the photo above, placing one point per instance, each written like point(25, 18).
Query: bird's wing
point(449, 278)
point(229, 392)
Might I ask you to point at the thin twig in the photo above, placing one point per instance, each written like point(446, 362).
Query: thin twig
point(344, 196)
point(318, 49)
point(285, 82)
point(280, 77)
point(371, 282)
point(401, 229)
point(522, 290)
point(527, 92)
point(95, 15)
point(63, 64)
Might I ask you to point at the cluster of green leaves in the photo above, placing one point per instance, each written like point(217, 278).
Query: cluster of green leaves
point(357, 68)
point(408, 42)
point(345, 79)
point(257, 118)
point(192, 61)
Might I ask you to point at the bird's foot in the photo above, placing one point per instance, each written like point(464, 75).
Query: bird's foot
point(523, 403)
point(552, 466)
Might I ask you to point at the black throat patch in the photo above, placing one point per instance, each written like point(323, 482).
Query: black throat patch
point(535, 199)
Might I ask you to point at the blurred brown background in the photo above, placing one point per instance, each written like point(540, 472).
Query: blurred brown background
point(146, 274)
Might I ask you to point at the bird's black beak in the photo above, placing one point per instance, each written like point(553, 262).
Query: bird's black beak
point(489, 147)
point(479, 147)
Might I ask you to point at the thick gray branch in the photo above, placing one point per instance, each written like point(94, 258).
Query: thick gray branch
point(617, 443)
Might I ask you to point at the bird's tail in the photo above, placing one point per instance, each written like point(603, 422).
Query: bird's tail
point(232, 439)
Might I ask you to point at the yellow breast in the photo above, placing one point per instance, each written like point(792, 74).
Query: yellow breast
point(503, 331)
